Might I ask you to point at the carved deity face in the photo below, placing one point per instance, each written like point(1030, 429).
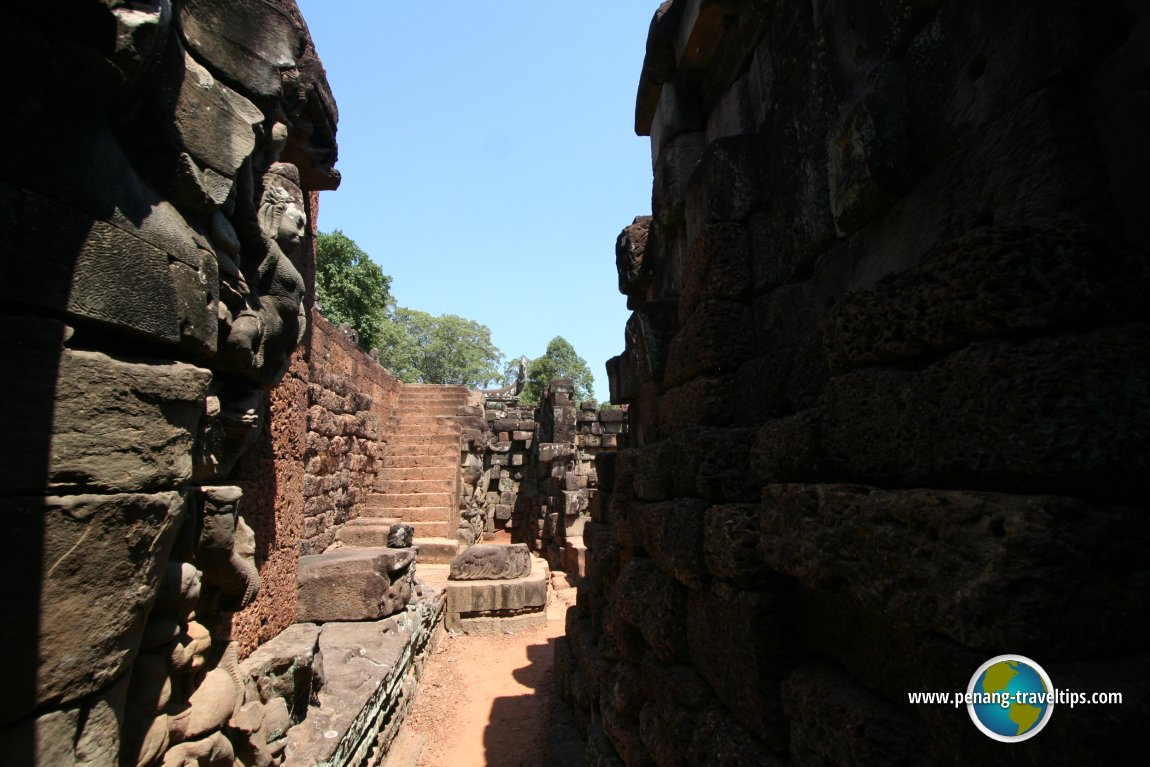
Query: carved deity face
point(292, 225)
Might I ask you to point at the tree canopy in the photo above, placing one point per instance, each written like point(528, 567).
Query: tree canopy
point(447, 349)
point(559, 361)
point(415, 346)
point(351, 288)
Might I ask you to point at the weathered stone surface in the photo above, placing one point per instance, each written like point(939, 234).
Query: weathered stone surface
point(284, 668)
point(787, 449)
point(866, 730)
point(213, 122)
point(741, 642)
point(672, 535)
point(491, 562)
point(701, 402)
point(1007, 280)
point(654, 604)
point(648, 337)
point(658, 63)
point(369, 674)
point(250, 45)
point(720, 740)
point(728, 184)
point(970, 562)
point(84, 734)
point(629, 249)
point(95, 562)
point(709, 342)
point(399, 536)
point(718, 266)
point(493, 598)
point(1058, 415)
point(349, 584)
point(868, 151)
point(731, 546)
point(116, 425)
point(119, 273)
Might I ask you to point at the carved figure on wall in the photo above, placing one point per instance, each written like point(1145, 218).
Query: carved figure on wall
point(154, 208)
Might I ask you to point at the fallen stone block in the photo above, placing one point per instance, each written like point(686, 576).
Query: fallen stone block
point(353, 584)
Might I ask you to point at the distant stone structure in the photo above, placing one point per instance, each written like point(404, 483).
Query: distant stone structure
point(531, 470)
point(886, 372)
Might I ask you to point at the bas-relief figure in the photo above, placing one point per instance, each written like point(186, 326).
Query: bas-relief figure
point(155, 196)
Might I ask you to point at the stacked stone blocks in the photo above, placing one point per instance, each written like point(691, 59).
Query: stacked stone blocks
point(882, 371)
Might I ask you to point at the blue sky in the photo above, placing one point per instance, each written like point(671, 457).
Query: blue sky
point(489, 158)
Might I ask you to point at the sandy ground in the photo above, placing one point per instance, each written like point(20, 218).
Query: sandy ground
point(491, 700)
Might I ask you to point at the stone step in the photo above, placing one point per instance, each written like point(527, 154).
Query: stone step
point(417, 439)
point(434, 549)
point(446, 404)
point(575, 557)
point(418, 391)
point(435, 420)
point(366, 531)
point(407, 460)
point(405, 486)
point(432, 529)
point(441, 441)
point(405, 749)
point(445, 455)
point(410, 500)
point(408, 514)
point(417, 473)
point(385, 513)
point(442, 406)
point(433, 575)
point(417, 397)
point(417, 426)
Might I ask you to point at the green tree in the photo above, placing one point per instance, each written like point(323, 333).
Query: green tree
point(415, 346)
point(559, 361)
point(447, 349)
point(351, 288)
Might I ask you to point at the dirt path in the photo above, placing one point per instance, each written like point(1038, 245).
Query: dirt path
point(488, 700)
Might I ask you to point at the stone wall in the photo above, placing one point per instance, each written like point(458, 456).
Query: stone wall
point(350, 398)
point(166, 159)
point(886, 369)
point(531, 470)
point(495, 458)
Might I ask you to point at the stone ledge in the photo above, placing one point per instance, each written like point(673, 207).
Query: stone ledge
point(370, 672)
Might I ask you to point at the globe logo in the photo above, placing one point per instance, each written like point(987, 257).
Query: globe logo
point(1010, 698)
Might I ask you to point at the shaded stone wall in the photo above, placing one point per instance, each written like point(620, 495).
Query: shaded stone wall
point(886, 369)
point(155, 263)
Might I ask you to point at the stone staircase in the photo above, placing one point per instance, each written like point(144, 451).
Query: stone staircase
point(418, 482)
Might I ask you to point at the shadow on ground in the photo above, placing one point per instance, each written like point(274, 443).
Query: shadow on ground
point(521, 727)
